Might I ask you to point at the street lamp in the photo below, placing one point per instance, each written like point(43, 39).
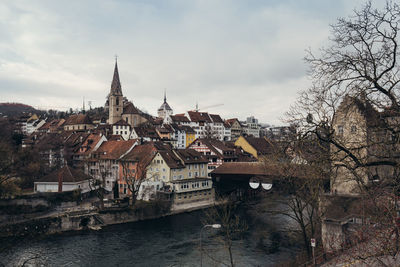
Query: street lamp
point(255, 183)
point(215, 226)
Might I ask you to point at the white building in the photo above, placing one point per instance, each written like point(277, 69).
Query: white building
point(251, 127)
point(64, 179)
point(165, 111)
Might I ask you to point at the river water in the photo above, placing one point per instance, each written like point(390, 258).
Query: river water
point(170, 241)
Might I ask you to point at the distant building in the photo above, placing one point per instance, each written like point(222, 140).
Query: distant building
point(165, 111)
point(251, 127)
point(64, 179)
point(236, 128)
point(258, 147)
point(78, 122)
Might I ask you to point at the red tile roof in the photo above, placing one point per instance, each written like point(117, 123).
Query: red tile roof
point(141, 153)
point(114, 149)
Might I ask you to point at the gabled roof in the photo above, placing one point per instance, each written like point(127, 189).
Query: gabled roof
point(78, 119)
point(171, 159)
point(371, 115)
point(116, 84)
point(182, 128)
point(141, 153)
point(147, 131)
point(216, 118)
point(216, 146)
point(114, 149)
point(67, 174)
point(262, 145)
point(179, 118)
point(232, 121)
point(90, 143)
point(129, 108)
point(190, 156)
point(199, 116)
point(121, 123)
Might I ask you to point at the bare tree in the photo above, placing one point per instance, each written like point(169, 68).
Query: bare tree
point(357, 76)
point(136, 167)
point(232, 227)
point(300, 166)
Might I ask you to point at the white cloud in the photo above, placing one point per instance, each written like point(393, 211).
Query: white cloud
point(245, 55)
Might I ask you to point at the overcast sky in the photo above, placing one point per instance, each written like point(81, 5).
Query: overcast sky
point(246, 55)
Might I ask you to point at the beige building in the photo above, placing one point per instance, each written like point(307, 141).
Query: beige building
point(361, 129)
point(78, 122)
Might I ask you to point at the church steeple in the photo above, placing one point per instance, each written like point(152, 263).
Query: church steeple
point(115, 98)
point(116, 84)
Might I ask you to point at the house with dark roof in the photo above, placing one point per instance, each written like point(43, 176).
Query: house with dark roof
point(123, 129)
point(258, 147)
point(236, 128)
point(103, 163)
point(78, 122)
point(64, 179)
point(215, 151)
point(366, 133)
point(180, 119)
point(207, 125)
point(182, 135)
point(181, 175)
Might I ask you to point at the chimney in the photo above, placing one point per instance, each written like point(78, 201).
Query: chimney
point(60, 181)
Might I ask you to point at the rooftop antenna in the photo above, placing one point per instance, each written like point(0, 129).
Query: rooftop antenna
point(83, 105)
point(197, 107)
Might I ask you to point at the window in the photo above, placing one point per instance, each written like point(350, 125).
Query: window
point(340, 129)
point(353, 129)
point(190, 174)
point(163, 169)
point(117, 102)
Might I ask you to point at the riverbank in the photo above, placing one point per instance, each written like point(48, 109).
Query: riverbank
point(83, 219)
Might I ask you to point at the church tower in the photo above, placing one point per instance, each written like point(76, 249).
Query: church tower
point(115, 99)
point(165, 110)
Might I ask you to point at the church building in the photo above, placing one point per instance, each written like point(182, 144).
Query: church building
point(165, 111)
point(121, 109)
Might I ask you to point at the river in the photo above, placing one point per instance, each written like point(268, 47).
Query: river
point(169, 241)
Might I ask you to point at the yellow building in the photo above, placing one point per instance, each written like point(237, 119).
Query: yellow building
point(255, 146)
point(190, 137)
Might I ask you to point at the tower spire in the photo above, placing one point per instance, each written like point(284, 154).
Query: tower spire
point(165, 95)
point(116, 84)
